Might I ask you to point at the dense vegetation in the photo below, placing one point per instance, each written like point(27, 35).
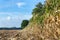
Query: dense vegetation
point(42, 11)
point(39, 9)
point(24, 23)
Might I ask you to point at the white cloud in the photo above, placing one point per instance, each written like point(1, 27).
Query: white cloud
point(19, 4)
point(8, 18)
point(13, 19)
point(11, 4)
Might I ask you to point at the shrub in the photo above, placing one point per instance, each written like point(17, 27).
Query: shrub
point(24, 23)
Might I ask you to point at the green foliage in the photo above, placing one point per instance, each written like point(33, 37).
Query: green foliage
point(43, 11)
point(38, 10)
point(24, 23)
point(39, 5)
point(52, 5)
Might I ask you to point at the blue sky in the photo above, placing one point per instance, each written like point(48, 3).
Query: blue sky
point(12, 12)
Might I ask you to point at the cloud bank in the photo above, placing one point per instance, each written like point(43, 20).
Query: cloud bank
point(13, 20)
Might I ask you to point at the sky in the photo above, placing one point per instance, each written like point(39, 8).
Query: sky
point(12, 12)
